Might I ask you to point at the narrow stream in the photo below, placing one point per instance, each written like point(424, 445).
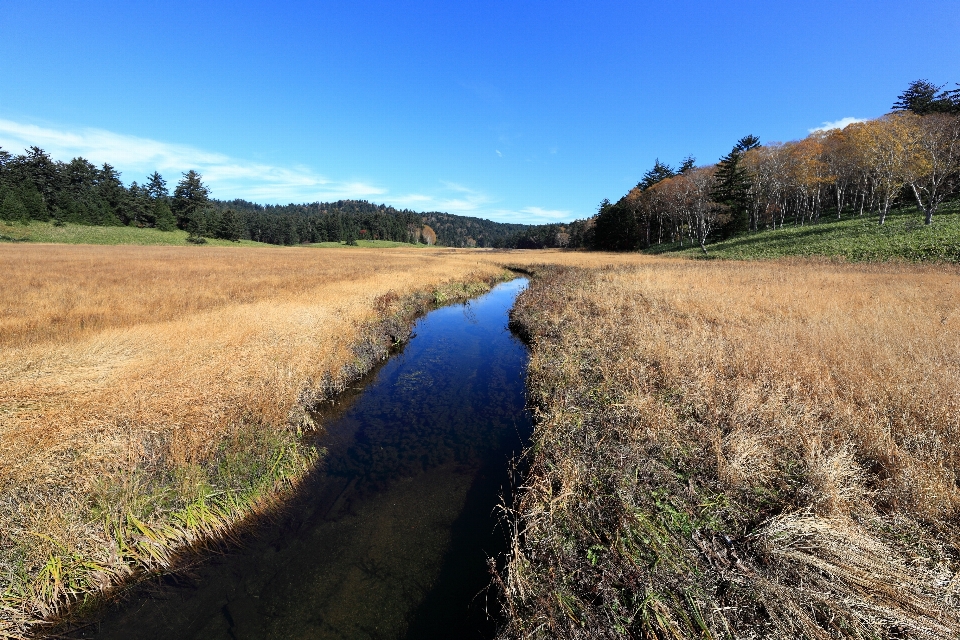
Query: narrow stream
point(389, 538)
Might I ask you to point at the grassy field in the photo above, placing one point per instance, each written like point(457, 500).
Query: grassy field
point(47, 232)
point(740, 450)
point(85, 234)
point(152, 397)
point(722, 448)
point(903, 237)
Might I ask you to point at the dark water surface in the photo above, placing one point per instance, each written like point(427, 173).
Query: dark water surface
point(389, 538)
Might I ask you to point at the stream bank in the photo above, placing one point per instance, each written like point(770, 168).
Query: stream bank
point(390, 536)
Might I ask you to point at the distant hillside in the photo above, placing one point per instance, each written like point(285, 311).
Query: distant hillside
point(36, 188)
point(341, 220)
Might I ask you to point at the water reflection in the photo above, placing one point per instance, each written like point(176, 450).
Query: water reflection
point(389, 538)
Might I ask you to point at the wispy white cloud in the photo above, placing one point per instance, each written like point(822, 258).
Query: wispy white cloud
point(450, 197)
point(838, 124)
point(227, 177)
point(533, 215)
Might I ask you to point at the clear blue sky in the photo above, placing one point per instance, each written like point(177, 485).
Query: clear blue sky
point(514, 111)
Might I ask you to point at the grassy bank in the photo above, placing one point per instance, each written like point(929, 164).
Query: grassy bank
point(153, 397)
point(86, 234)
point(858, 239)
point(740, 450)
point(69, 233)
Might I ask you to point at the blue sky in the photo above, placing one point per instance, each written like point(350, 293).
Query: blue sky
point(514, 111)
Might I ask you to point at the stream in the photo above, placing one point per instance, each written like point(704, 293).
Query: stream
point(389, 537)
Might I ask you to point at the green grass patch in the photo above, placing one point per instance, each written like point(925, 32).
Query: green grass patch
point(856, 239)
point(85, 234)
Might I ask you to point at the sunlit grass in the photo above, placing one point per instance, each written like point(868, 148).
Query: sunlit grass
point(857, 239)
point(86, 234)
point(741, 449)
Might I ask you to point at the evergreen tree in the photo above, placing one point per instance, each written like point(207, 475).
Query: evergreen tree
point(688, 163)
point(190, 200)
point(733, 186)
point(140, 207)
point(11, 207)
point(163, 216)
point(923, 97)
point(616, 228)
point(115, 199)
point(156, 186)
point(659, 172)
point(230, 226)
point(350, 234)
point(32, 202)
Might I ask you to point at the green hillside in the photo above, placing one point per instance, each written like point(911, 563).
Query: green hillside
point(86, 234)
point(70, 233)
point(903, 237)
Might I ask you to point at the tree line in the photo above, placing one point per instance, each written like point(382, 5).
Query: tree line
point(909, 155)
point(33, 186)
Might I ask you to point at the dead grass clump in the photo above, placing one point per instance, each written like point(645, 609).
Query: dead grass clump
point(740, 450)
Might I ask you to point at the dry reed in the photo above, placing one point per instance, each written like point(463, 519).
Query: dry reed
point(152, 396)
point(740, 450)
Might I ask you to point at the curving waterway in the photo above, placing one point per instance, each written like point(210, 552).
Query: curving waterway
point(389, 537)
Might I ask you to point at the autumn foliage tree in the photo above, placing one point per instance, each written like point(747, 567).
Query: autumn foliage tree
point(911, 154)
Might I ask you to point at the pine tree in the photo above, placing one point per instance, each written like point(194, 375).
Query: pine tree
point(616, 228)
point(190, 200)
point(923, 97)
point(163, 216)
point(733, 186)
point(230, 226)
point(156, 186)
point(33, 202)
point(658, 173)
point(12, 209)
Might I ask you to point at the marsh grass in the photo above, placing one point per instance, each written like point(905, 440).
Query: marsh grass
point(740, 450)
point(153, 398)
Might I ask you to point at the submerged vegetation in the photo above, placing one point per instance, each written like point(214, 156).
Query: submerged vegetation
point(740, 450)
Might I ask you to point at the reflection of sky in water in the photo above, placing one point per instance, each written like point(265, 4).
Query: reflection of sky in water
point(390, 538)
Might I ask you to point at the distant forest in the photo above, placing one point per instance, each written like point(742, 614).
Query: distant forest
point(33, 186)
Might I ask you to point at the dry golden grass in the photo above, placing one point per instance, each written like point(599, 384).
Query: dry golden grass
point(151, 396)
point(741, 450)
point(147, 393)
